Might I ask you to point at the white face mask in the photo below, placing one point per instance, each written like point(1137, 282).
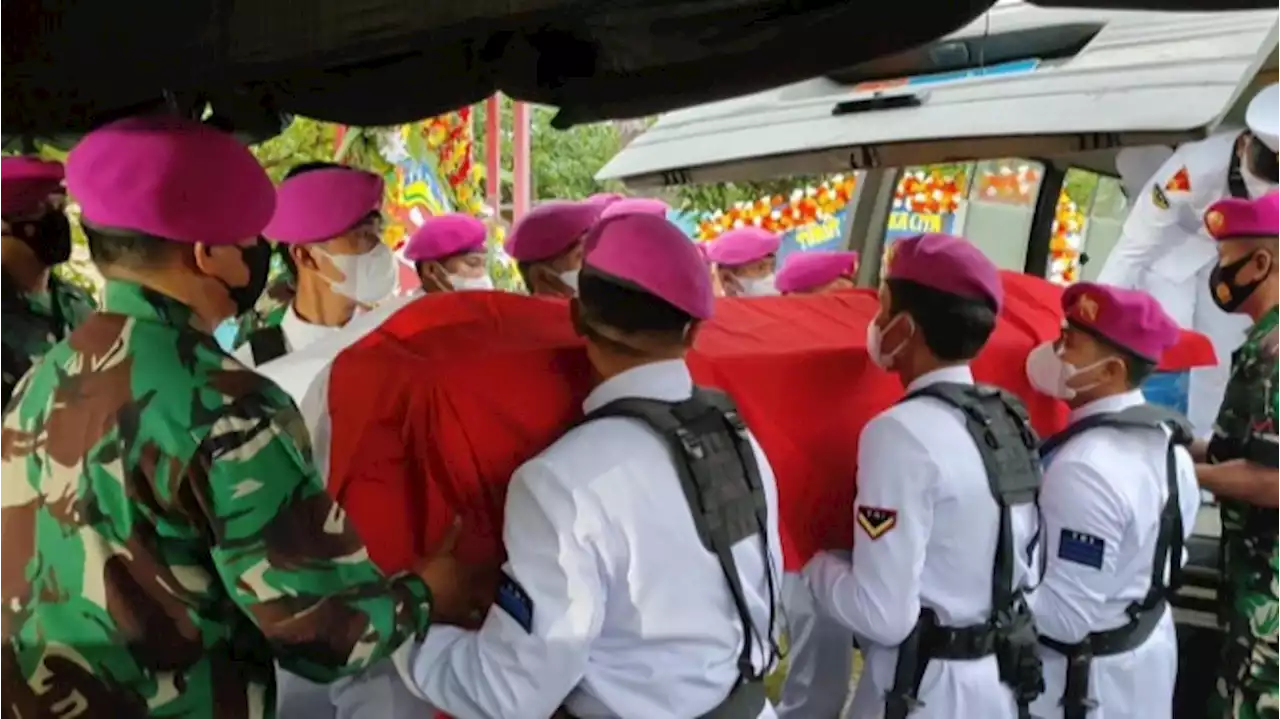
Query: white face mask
point(1256, 186)
point(875, 336)
point(1049, 374)
point(463, 284)
point(367, 278)
point(570, 279)
point(758, 286)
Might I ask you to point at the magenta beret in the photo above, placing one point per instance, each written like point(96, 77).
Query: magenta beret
point(444, 236)
point(653, 255)
point(804, 271)
point(945, 263)
point(321, 205)
point(25, 182)
point(743, 246)
point(1235, 217)
point(629, 205)
point(1130, 319)
point(551, 228)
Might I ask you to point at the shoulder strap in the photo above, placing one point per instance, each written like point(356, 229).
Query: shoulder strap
point(1001, 429)
point(1150, 416)
point(267, 344)
point(696, 432)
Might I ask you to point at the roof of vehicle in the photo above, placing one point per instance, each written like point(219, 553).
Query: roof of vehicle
point(1138, 78)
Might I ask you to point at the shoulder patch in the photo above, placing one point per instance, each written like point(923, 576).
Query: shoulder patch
point(515, 601)
point(1180, 182)
point(1158, 198)
point(877, 521)
point(1081, 548)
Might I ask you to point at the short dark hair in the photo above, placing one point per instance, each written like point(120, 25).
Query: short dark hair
point(1137, 369)
point(628, 309)
point(955, 328)
point(305, 167)
point(128, 248)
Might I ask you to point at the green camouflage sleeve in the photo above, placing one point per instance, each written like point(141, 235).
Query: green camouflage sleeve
point(288, 557)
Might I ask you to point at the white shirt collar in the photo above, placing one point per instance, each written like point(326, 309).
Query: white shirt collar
point(960, 374)
point(300, 333)
point(1110, 403)
point(668, 381)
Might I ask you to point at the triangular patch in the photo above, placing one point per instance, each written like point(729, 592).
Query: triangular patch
point(1180, 182)
point(877, 521)
point(1158, 198)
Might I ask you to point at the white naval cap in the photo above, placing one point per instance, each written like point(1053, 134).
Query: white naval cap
point(1136, 165)
point(1263, 115)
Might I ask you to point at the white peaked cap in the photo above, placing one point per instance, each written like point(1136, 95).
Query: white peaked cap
point(1263, 115)
point(1137, 165)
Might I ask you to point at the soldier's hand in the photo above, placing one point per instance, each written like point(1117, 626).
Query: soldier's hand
point(454, 594)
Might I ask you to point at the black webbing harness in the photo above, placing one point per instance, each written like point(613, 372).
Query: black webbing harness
point(267, 344)
point(713, 457)
point(1144, 615)
point(1001, 429)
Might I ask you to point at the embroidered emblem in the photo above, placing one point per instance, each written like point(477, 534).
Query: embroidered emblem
point(877, 521)
point(1081, 548)
point(1158, 197)
point(1180, 182)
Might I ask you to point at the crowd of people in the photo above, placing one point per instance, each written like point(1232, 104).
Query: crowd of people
point(171, 550)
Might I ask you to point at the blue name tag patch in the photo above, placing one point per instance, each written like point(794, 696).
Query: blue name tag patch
point(1081, 548)
point(515, 601)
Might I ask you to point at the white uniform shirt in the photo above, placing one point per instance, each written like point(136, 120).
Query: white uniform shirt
point(920, 474)
point(1166, 252)
point(1102, 497)
point(629, 615)
point(298, 334)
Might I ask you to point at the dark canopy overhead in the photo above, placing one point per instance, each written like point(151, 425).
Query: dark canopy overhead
point(71, 64)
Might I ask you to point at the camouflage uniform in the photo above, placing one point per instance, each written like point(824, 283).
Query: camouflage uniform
point(1246, 685)
point(34, 322)
point(166, 537)
point(269, 310)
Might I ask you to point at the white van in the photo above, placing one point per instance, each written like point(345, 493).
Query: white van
point(1063, 89)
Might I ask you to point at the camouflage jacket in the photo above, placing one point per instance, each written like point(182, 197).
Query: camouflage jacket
point(34, 322)
point(268, 311)
point(1246, 426)
point(166, 537)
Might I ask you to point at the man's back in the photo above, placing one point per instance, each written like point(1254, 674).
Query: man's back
point(165, 545)
point(923, 442)
point(670, 635)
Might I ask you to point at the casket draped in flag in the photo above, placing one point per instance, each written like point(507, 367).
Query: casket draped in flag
point(432, 403)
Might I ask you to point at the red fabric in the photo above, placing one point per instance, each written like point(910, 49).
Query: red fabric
point(433, 411)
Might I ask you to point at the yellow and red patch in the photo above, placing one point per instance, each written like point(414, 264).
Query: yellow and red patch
point(1180, 182)
point(877, 521)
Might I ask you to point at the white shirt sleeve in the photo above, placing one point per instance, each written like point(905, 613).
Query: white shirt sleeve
point(533, 648)
point(878, 594)
point(1149, 231)
point(1084, 522)
point(314, 407)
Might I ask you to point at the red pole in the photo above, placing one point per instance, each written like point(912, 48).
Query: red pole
point(523, 190)
point(493, 154)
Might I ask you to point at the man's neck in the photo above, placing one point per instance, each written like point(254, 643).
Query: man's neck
point(177, 287)
point(317, 304)
point(1262, 301)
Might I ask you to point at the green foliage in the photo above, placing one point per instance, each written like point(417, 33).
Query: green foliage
point(563, 164)
point(304, 140)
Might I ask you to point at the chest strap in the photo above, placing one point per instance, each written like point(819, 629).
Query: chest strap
point(267, 344)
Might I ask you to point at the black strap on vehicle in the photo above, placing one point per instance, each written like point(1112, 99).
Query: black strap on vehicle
point(1001, 429)
point(1145, 614)
point(267, 344)
point(721, 481)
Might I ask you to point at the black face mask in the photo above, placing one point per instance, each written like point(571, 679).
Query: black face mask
point(1228, 295)
point(49, 237)
point(258, 259)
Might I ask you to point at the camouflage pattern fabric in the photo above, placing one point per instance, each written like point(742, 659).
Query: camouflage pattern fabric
point(269, 310)
point(1247, 682)
point(34, 322)
point(166, 537)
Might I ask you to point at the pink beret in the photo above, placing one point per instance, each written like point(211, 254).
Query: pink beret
point(170, 177)
point(946, 263)
point(1129, 319)
point(653, 255)
point(804, 271)
point(742, 246)
point(603, 199)
point(630, 205)
point(1234, 217)
point(25, 182)
point(445, 236)
point(550, 228)
point(322, 204)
